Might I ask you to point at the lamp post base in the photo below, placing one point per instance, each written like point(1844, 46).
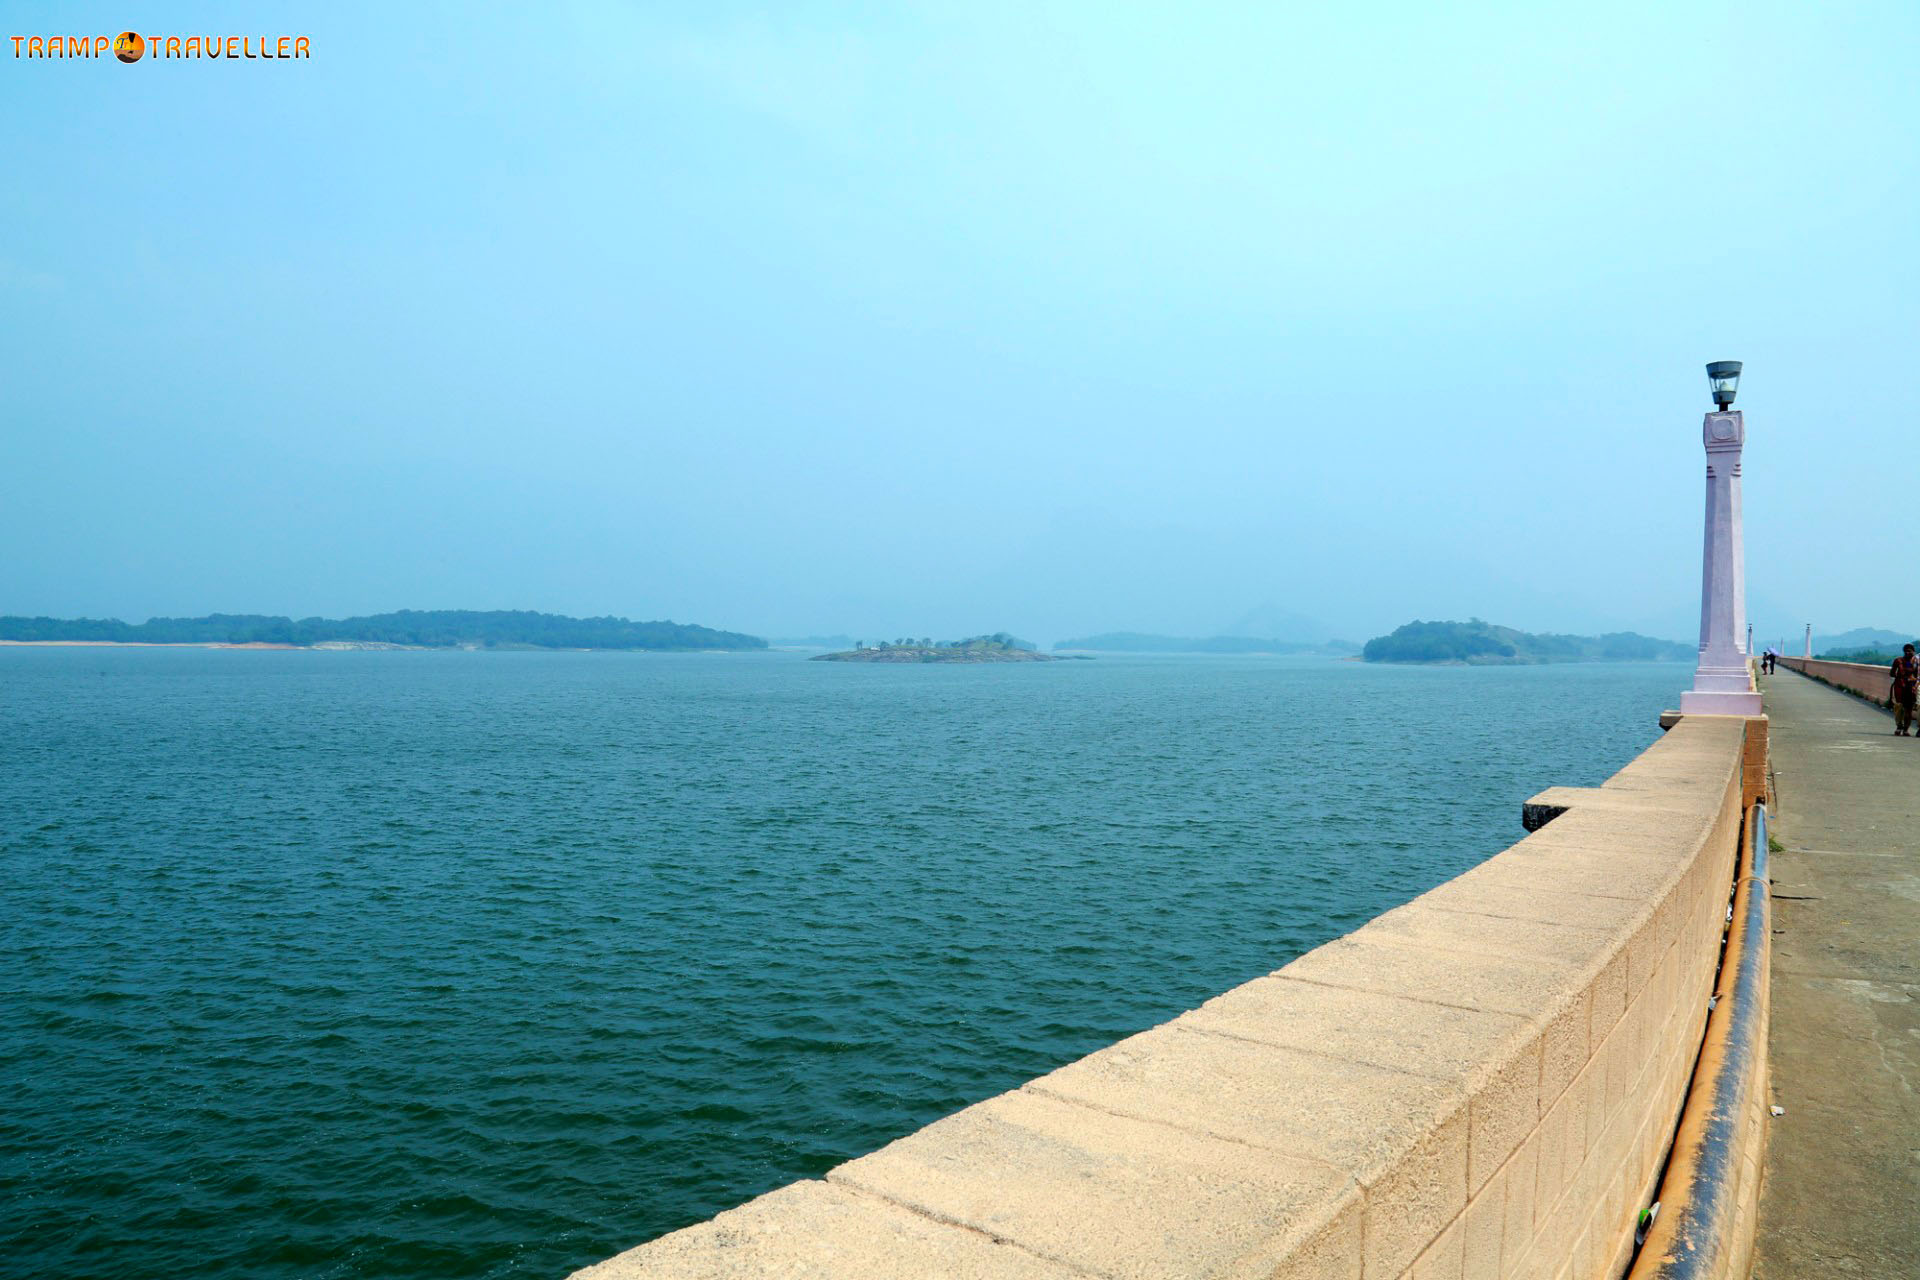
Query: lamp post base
point(1715, 703)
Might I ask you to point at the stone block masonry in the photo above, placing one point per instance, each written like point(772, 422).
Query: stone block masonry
point(1483, 1082)
point(1710, 1192)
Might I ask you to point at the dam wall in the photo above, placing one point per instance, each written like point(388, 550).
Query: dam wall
point(1483, 1082)
point(1874, 683)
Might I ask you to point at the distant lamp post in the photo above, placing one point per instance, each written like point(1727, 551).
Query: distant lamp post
point(1724, 377)
point(1721, 684)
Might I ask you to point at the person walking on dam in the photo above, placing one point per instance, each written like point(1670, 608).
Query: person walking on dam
point(1906, 683)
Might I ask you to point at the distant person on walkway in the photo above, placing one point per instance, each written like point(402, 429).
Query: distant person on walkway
point(1906, 683)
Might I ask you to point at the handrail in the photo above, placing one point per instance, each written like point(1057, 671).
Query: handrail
point(1706, 1190)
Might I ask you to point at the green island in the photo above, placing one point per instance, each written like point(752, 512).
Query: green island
point(998, 647)
point(1479, 643)
point(407, 629)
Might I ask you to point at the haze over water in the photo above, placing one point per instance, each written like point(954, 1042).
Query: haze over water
point(943, 318)
point(452, 965)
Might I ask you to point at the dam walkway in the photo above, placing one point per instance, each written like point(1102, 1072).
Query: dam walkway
point(1843, 1161)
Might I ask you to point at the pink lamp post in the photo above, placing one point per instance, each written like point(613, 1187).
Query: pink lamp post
point(1721, 686)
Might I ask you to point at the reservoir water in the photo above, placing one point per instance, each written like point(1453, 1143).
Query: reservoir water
point(438, 965)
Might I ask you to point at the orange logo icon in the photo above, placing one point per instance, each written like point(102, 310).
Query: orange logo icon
point(129, 45)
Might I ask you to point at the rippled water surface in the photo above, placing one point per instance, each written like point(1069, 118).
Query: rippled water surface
point(459, 965)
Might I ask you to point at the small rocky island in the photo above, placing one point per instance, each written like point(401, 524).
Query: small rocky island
point(998, 647)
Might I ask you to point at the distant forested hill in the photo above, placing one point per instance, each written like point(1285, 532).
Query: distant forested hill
point(430, 628)
point(1861, 640)
point(1867, 657)
point(1137, 642)
point(1479, 642)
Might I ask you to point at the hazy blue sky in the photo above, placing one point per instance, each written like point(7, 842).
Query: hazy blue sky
point(938, 318)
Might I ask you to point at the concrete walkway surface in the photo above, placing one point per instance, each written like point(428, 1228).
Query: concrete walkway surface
point(1842, 1190)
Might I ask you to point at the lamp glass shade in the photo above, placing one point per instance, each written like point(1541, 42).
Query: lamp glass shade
point(1724, 377)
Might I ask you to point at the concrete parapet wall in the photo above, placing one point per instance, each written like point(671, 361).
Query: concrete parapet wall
point(1483, 1082)
point(1711, 1191)
point(1874, 683)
